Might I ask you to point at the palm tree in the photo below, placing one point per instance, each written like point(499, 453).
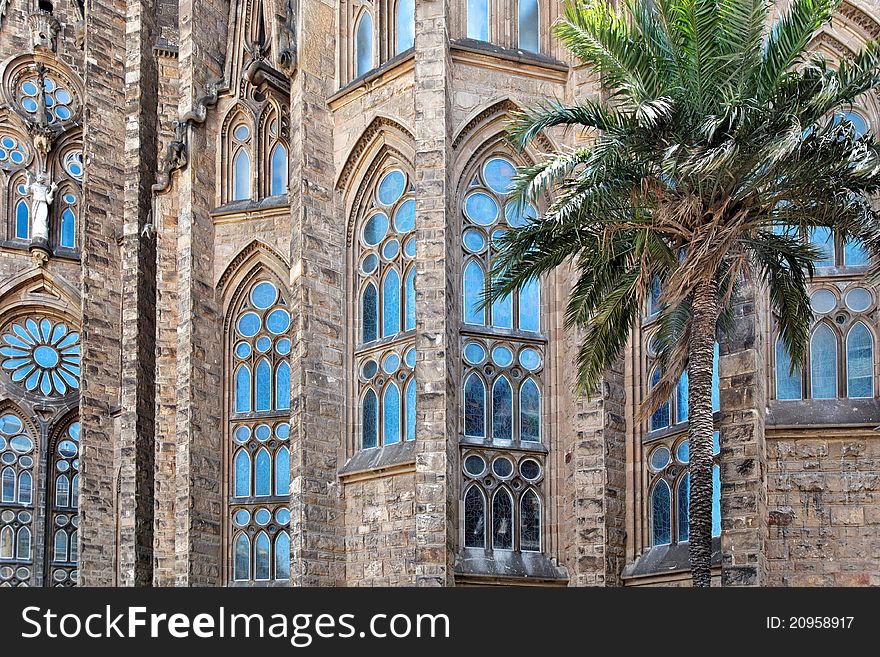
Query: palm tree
point(718, 144)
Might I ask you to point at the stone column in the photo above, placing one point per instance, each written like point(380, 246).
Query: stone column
point(317, 255)
point(137, 418)
point(437, 314)
point(102, 226)
point(198, 531)
point(742, 386)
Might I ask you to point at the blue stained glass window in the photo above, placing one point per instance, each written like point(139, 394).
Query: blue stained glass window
point(279, 170)
point(859, 362)
point(410, 300)
point(530, 306)
point(855, 253)
point(716, 501)
point(391, 414)
point(502, 520)
point(8, 484)
point(474, 518)
point(241, 176)
point(261, 557)
point(473, 240)
point(405, 217)
point(498, 174)
point(370, 313)
point(406, 23)
point(681, 398)
point(660, 417)
point(788, 382)
point(6, 541)
point(411, 409)
point(823, 365)
point(822, 238)
point(716, 392)
point(478, 19)
point(278, 321)
point(529, 411)
point(391, 187)
point(661, 529)
point(474, 407)
point(502, 410)
point(22, 220)
point(481, 208)
point(25, 488)
point(282, 471)
point(502, 312)
point(264, 386)
point(654, 303)
point(263, 471)
point(363, 48)
point(474, 284)
point(391, 304)
point(62, 491)
point(68, 229)
point(243, 390)
point(370, 420)
point(242, 558)
point(528, 25)
point(242, 474)
point(282, 556)
point(684, 489)
point(376, 229)
point(282, 387)
point(60, 555)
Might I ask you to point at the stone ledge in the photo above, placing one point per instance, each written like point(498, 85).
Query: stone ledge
point(823, 412)
point(667, 559)
point(479, 566)
point(380, 462)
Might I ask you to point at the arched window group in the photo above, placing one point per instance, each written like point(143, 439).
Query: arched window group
point(259, 435)
point(669, 491)
point(256, 160)
point(385, 355)
point(503, 349)
point(40, 360)
point(501, 504)
point(367, 53)
point(840, 358)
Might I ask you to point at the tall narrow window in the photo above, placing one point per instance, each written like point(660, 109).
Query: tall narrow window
point(502, 520)
point(788, 379)
point(528, 25)
point(385, 356)
point(683, 510)
point(859, 362)
point(822, 238)
point(823, 363)
point(239, 152)
point(660, 417)
point(478, 19)
point(530, 522)
point(661, 529)
point(278, 171)
point(474, 518)
point(67, 222)
point(16, 500)
point(503, 351)
point(406, 24)
point(363, 46)
point(22, 220)
point(64, 459)
point(259, 431)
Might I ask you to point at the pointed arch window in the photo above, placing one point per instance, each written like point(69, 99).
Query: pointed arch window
point(61, 541)
point(405, 18)
point(823, 368)
point(474, 518)
point(258, 450)
point(18, 444)
point(502, 348)
point(21, 213)
point(661, 526)
point(385, 355)
point(859, 362)
point(276, 149)
point(240, 140)
point(363, 44)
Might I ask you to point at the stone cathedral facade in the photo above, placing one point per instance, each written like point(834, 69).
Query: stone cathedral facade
point(240, 244)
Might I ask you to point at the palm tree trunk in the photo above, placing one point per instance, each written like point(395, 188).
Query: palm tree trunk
point(700, 356)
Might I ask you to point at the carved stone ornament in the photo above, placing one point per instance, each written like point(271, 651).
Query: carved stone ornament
point(44, 30)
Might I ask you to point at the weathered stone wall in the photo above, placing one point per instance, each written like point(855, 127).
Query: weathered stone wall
point(380, 536)
point(824, 508)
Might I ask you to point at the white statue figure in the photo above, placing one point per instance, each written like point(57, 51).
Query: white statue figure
point(42, 193)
